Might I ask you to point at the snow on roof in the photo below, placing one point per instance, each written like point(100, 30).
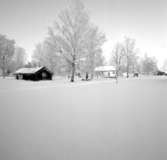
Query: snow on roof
point(28, 70)
point(105, 68)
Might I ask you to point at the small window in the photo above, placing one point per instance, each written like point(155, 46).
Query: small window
point(20, 76)
point(44, 75)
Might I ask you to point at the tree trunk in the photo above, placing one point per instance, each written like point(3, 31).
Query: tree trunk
point(92, 76)
point(87, 76)
point(73, 70)
point(127, 70)
point(3, 73)
point(92, 68)
point(127, 73)
point(117, 70)
point(3, 67)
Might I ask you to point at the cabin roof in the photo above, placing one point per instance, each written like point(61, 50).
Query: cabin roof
point(105, 68)
point(28, 70)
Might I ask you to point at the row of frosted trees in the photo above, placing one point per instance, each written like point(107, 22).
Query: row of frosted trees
point(74, 45)
point(125, 56)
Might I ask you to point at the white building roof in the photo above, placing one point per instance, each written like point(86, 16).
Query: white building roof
point(105, 68)
point(28, 70)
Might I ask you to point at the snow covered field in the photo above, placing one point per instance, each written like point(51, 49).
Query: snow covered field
point(100, 120)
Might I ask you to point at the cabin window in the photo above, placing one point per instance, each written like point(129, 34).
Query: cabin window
point(44, 75)
point(20, 76)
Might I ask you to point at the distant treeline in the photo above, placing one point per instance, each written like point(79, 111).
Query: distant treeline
point(74, 45)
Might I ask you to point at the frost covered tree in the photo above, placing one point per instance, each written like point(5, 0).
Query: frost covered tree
point(148, 65)
point(94, 52)
point(45, 55)
point(6, 53)
point(71, 36)
point(164, 66)
point(18, 59)
point(130, 54)
point(88, 64)
point(117, 56)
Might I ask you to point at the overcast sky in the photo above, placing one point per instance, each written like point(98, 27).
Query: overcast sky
point(27, 21)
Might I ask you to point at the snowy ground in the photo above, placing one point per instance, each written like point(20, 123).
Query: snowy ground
point(99, 120)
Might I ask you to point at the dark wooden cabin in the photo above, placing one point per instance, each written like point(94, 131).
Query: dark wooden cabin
point(34, 74)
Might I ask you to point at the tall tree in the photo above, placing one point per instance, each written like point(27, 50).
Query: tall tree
point(46, 55)
point(148, 65)
point(18, 59)
point(94, 51)
point(6, 53)
point(94, 55)
point(117, 56)
point(164, 66)
point(71, 35)
point(130, 54)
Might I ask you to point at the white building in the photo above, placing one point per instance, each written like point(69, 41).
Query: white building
point(106, 71)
